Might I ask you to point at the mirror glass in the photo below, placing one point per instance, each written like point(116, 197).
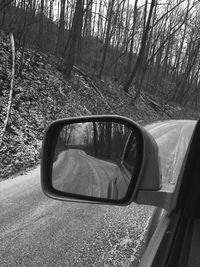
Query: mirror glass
point(95, 159)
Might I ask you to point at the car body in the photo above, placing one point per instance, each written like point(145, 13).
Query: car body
point(178, 156)
point(173, 235)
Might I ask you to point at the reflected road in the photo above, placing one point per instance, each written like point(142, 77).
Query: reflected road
point(77, 172)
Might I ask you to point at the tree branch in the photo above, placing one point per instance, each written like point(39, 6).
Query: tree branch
point(11, 88)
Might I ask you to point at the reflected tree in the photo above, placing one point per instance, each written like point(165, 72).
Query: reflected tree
point(95, 139)
point(104, 140)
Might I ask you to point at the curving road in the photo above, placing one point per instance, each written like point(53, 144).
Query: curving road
point(82, 174)
point(77, 172)
point(38, 231)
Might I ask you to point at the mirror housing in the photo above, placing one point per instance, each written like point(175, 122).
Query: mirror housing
point(147, 177)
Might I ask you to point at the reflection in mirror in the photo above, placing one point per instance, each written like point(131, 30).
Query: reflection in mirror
point(95, 159)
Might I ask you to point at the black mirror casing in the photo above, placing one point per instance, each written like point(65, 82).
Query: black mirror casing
point(48, 148)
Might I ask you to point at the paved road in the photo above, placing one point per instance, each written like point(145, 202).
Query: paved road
point(172, 138)
point(86, 175)
point(38, 231)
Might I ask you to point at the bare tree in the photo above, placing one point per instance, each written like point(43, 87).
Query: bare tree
point(107, 38)
point(11, 89)
point(142, 48)
point(74, 37)
point(130, 55)
point(41, 26)
point(61, 31)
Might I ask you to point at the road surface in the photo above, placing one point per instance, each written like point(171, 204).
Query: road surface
point(38, 231)
point(172, 138)
point(75, 171)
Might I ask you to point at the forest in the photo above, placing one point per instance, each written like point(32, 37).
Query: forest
point(105, 140)
point(146, 46)
point(61, 58)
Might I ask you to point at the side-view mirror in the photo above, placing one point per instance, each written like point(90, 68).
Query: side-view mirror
point(101, 159)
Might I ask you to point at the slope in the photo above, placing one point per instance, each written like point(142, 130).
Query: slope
point(42, 94)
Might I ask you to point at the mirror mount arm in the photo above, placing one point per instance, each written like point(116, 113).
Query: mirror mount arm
point(162, 198)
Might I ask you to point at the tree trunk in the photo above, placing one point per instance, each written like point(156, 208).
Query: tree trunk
point(108, 143)
point(107, 38)
point(95, 139)
point(130, 55)
point(61, 31)
point(41, 27)
point(74, 38)
point(142, 49)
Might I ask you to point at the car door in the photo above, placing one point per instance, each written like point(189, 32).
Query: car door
point(172, 243)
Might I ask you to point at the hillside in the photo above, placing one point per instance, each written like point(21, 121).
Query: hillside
point(42, 94)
